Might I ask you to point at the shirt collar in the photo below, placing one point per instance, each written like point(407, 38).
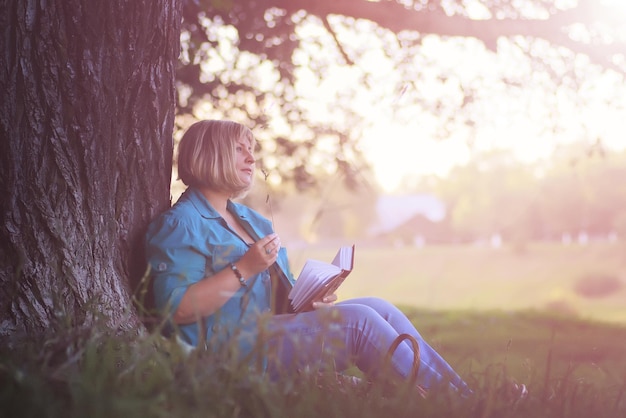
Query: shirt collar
point(200, 202)
point(202, 205)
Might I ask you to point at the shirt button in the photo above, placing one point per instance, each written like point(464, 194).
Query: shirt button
point(162, 267)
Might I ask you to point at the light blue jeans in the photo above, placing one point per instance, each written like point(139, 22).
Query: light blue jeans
point(355, 332)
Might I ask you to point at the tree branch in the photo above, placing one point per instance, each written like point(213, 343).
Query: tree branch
point(334, 35)
point(397, 18)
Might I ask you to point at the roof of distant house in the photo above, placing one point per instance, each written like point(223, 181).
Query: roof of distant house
point(393, 211)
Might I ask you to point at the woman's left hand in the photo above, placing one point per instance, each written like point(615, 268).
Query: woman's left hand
point(327, 301)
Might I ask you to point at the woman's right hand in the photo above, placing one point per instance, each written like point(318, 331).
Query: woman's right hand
point(260, 256)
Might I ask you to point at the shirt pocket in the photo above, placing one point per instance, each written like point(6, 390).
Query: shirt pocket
point(223, 255)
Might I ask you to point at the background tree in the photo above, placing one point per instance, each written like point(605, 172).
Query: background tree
point(579, 193)
point(490, 196)
point(572, 194)
point(86, 127)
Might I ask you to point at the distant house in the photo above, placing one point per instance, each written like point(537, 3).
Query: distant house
point(409, 220)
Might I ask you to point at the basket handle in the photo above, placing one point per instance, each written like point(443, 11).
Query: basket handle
point(416, 354)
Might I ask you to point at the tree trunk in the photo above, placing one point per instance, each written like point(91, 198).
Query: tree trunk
point(86, 126)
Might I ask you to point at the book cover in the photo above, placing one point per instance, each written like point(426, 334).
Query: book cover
point(318, 279)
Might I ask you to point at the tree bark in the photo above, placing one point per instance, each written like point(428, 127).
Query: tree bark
point(86, 124)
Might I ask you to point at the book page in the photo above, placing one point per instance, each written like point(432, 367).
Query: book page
point(319, 278)
point(344, 259)
point(313, 276)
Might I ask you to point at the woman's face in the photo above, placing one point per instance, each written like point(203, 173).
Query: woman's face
point(245, 161)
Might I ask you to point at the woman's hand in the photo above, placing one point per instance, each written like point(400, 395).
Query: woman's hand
point(327, 301)
point(260, 256)
point(205, 297)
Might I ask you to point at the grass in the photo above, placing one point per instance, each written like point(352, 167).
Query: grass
point(495, 315)
point(574, 368)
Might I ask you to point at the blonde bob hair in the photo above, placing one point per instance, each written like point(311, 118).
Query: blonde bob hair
point(206, 156)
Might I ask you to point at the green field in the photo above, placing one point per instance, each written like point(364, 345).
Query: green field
point(542, 277)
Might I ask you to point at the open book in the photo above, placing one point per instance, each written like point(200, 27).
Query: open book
point(318, 279)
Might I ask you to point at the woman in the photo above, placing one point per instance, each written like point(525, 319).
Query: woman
point(218, 265)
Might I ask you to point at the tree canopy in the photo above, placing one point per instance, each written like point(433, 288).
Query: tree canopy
point(265, 62)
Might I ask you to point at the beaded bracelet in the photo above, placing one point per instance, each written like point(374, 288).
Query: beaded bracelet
point(235, 270)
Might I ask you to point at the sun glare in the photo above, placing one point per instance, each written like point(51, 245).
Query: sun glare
point(616, 5)
point(528, 122)
point(612, 10)
point(398, 153)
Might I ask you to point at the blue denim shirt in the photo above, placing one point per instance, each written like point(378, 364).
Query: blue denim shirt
point(191, 242)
